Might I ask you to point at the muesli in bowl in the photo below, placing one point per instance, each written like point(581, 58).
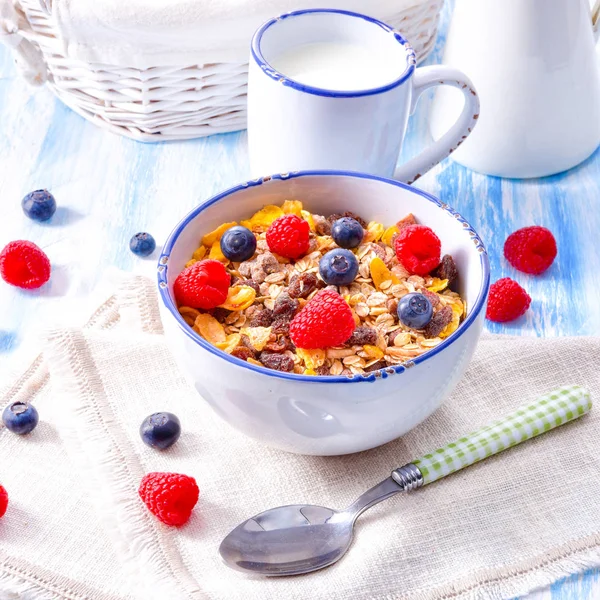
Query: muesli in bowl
point(321, 295)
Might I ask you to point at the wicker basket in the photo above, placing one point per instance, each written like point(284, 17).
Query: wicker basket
point(161, 103)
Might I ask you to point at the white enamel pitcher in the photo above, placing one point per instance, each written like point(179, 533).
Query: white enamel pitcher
point(537, 73)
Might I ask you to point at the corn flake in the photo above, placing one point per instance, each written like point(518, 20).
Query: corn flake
point(438, 285)
point(200, 253)
point(214, 236)
point(209, 328)
point(261, 220)
point(231, 343)
point(292, 207)
point(309, 219)
point(258, 336)
point(312, 358)
point(388, 235)
point(374, 232)
point(190, 262)
point(457, 311)
point(217, 254)
point(309, 372)
point(373, 352)
point(380, 273)
point(189, 314)
point(239, 297)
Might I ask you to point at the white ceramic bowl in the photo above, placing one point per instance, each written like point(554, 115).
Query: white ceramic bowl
point(326, 415)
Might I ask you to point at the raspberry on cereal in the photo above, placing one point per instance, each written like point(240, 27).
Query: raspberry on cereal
point(325, 321)
point(418, 248)
point(507, 301)
point(289, 236)
point(531, 249)
point(202, 285)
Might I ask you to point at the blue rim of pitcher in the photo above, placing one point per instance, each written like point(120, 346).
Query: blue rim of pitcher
point(169, 304)
point(274, 74)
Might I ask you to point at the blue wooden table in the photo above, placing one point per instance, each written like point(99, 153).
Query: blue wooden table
point(108, 188)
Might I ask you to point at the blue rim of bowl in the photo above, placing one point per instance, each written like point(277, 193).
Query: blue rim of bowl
point(276, 75)
point(163, 286)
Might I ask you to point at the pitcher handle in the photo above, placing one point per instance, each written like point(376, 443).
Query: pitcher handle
point(423, 79)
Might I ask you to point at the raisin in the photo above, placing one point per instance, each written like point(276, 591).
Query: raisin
point(262, 319)
point(446, 269)
point(362, 336)
point(245, 340)
point(380, 364)
point(281, 325)
point(409, 219)
point(323, 370)
point(268, 263)
point(392, 306)
point(220, 314)
point(285, 306)
point(243, 352)
point(278, 362)
point(331, 219)
point(438, 322)
point(250, 283)
point(322, 225)
point(277, 343)
point(301, 286)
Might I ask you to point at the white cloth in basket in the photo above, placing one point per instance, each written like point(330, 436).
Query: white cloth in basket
point(150, 33)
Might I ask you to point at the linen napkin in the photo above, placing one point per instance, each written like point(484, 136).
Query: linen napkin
point(150, 33)
point(52, 545)
point(496, 530)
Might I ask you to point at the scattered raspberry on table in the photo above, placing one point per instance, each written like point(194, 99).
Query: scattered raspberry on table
point(170, 497)
point(289, 236)
point(202, 285)
point(24, 265)
point(418, 248)
point(531, 249)
point(507, 301)
point(325, 321)
point(3, 501)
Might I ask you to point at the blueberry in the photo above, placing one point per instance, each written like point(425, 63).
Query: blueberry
point(39, 205)
point(142, 244)
point(415, 310)
point(20, 418)
point(238, 244)
point(347, 232)
point(338, 267)
point(160, 430)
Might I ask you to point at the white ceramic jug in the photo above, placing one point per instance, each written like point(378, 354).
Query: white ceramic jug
point(536, 70)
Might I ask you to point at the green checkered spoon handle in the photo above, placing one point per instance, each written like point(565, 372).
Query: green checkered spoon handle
point(547, 412)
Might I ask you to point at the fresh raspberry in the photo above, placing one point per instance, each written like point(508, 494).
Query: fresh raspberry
point(24, 265)
point(3, 501)
point(202, 285)
point(326, 320)
point(531, 249)
point(289, 236)
point(418, 249)
point(169, 496)
point(507, 301)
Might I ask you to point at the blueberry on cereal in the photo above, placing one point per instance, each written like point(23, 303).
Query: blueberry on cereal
point(415, 310)
point(338, 267)
point(347, 232)
point(238, 244)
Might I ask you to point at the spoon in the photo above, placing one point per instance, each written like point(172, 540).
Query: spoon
point(296, 539)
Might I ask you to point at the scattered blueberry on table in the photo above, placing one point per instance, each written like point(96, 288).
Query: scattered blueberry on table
point(20, 418)
point(39, 205)
point(338, 267)
point(238, 244)
point(415, 310)
point(347, 232)
point(160, 430)
point(142, 244)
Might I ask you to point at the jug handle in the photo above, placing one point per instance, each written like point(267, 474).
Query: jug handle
point(596, 19)
point(423, 79)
